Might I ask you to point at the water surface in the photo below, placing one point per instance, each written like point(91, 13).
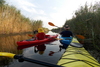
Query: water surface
point(51, 52)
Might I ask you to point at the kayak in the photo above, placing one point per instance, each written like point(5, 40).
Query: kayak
point(27, 46)
point(65, 41)
point(76, 56)
point(33, 41)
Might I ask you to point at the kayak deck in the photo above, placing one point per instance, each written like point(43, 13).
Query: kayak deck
point(25, 42)
point(77, 57)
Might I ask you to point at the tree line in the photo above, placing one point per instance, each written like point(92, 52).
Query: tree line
point(86, 22)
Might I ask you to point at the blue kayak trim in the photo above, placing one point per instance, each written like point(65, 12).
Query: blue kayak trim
point(65, 41)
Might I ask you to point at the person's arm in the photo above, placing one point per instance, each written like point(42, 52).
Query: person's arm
point(60, 32)
point(36, 37)
point(35, 32)
point(71, 34)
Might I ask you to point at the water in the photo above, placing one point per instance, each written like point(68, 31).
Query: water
point(29, 53)
point(51, 53)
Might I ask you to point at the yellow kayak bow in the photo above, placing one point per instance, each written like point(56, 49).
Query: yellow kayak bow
point(77, 57)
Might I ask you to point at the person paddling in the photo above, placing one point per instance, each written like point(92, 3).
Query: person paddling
point(66, 32)
point(66, 37)
point(41, 34)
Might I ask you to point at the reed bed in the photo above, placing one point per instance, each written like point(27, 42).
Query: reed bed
point(8, 44)
point(12, 21)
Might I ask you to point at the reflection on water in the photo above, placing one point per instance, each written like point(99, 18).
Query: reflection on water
point(49, 52)
point(8, 44)
point(39, 48)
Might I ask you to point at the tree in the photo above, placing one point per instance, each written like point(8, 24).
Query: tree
point(2, 2)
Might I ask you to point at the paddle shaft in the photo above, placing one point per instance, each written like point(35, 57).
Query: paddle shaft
point(21, 59)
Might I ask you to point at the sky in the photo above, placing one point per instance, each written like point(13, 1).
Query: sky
point(55, 11)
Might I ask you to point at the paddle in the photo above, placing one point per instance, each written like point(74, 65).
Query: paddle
point(22, 58)
point(58, 39)
point(30, 35)
point(34, 32)
point(51, 24)
point(79, 36)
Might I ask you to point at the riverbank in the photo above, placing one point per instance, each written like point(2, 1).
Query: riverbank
point(2, 35)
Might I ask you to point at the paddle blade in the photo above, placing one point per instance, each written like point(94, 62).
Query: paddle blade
point(10, 55)
point(50, 23)
point(30, 35)
point(80, 36)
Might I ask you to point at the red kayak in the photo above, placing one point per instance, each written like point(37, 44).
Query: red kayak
point(32, 41)
point(26, 46)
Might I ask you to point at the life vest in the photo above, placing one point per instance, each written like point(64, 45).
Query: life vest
point(41, 34)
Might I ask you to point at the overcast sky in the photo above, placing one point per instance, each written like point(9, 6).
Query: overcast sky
point(55, 11)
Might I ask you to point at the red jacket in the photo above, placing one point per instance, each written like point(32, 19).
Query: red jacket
point(40, 36)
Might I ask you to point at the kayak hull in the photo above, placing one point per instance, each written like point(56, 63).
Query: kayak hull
point(77, 56)
point(25, 42)
point(26, 46)
point(65, 41)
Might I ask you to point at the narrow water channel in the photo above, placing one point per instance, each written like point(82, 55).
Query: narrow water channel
point(51, 53)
